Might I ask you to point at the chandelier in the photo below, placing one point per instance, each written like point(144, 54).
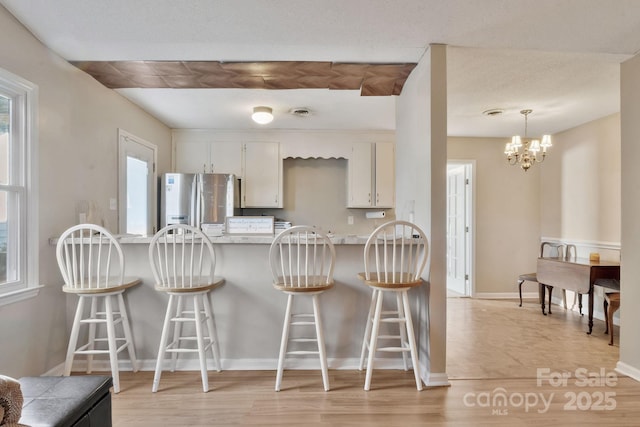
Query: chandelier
point(526, 152)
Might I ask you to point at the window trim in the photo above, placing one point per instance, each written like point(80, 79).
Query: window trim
point(27, 93)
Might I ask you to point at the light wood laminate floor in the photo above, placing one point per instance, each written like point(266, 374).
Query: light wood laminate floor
point(495, 349)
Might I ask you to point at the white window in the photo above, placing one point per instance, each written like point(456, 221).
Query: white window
point(18, 189)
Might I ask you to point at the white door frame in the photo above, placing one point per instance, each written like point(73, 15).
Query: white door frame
point(125, 138)
point(470, 206)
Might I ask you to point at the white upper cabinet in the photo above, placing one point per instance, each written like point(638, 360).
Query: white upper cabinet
point(226, 157)
point(192, 157)
point(371, 176)
point(360, 176)
point(257, 164)
point(209, 157)
point(262, 175)
point(385, 175)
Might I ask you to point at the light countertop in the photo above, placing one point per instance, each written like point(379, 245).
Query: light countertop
point(344, 239)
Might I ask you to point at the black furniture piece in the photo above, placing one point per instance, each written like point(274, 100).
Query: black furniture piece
point(78, 401)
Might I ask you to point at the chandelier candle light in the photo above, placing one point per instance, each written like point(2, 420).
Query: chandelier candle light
point(525, 152)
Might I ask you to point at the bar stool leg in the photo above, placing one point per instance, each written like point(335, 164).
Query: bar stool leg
point(73, 339)
point(403, 329)
point(213, 334)
point(177, 330)
point(374, 340)
point(163, 344)
point(284, 341)
point(127, 333)
point(197, 313)
point(412, 340)
point(320, 337)
point(92, 334)
point(113, 347)
point(367, 329)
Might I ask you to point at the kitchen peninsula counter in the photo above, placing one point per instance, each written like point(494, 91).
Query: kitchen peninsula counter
point(249, 312)
point(337, 239)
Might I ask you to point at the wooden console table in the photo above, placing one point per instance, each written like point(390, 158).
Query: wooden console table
point(577, 275)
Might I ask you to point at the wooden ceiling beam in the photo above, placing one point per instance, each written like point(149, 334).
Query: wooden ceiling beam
point(371, 79)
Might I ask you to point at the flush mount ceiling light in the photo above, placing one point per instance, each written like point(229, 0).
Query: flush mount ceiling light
point(262, 115)
point(524, 151)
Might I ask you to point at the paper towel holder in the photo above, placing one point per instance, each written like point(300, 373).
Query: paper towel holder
point(375, 214)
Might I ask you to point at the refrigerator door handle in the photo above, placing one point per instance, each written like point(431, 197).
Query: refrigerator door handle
point(194, 219)
point(200, 201)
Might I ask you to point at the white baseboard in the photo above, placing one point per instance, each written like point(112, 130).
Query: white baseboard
point(628, 370)
point(101, 365)
point(436, 379)
point(56, 371)
point(503, 295)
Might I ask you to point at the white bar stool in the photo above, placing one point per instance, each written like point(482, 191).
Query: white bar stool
point(302, 259)
point(92, 266)
point(395, 256)
point(183, 263)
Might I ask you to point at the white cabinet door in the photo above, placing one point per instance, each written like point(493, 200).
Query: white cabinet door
point(226, 157)
point(372, 176)
point(262, 175)
point(209, 157)
point(192, 157)
point(360, 176)
point(385, 175)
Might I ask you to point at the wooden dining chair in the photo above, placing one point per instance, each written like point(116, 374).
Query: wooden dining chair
point(395, 255)
point(570, 254)
point(547, 249)
point(92, 266)
point(183, 264)
point(302, 260)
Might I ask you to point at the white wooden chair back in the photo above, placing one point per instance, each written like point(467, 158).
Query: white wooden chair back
point(396, 252)
point(552, 250)
point(182, 257)
point(570, 253)
point(89, 258)
point(302, 257)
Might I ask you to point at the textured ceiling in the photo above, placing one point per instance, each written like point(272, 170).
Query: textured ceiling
point(559, 58)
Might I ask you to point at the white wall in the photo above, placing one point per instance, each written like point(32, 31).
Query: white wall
point(573, 196)
point(78, 127)
point(507, 216)
point(580, 197)
point(630, 267)
point(421, 179)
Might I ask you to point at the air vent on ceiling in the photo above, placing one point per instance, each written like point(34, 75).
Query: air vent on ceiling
point(493, 112)
point(300, 112)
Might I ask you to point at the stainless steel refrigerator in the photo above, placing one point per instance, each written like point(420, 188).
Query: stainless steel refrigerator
point(197, 199)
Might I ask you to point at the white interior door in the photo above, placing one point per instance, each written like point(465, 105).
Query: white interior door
point(458, 242)
point(137, 185)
